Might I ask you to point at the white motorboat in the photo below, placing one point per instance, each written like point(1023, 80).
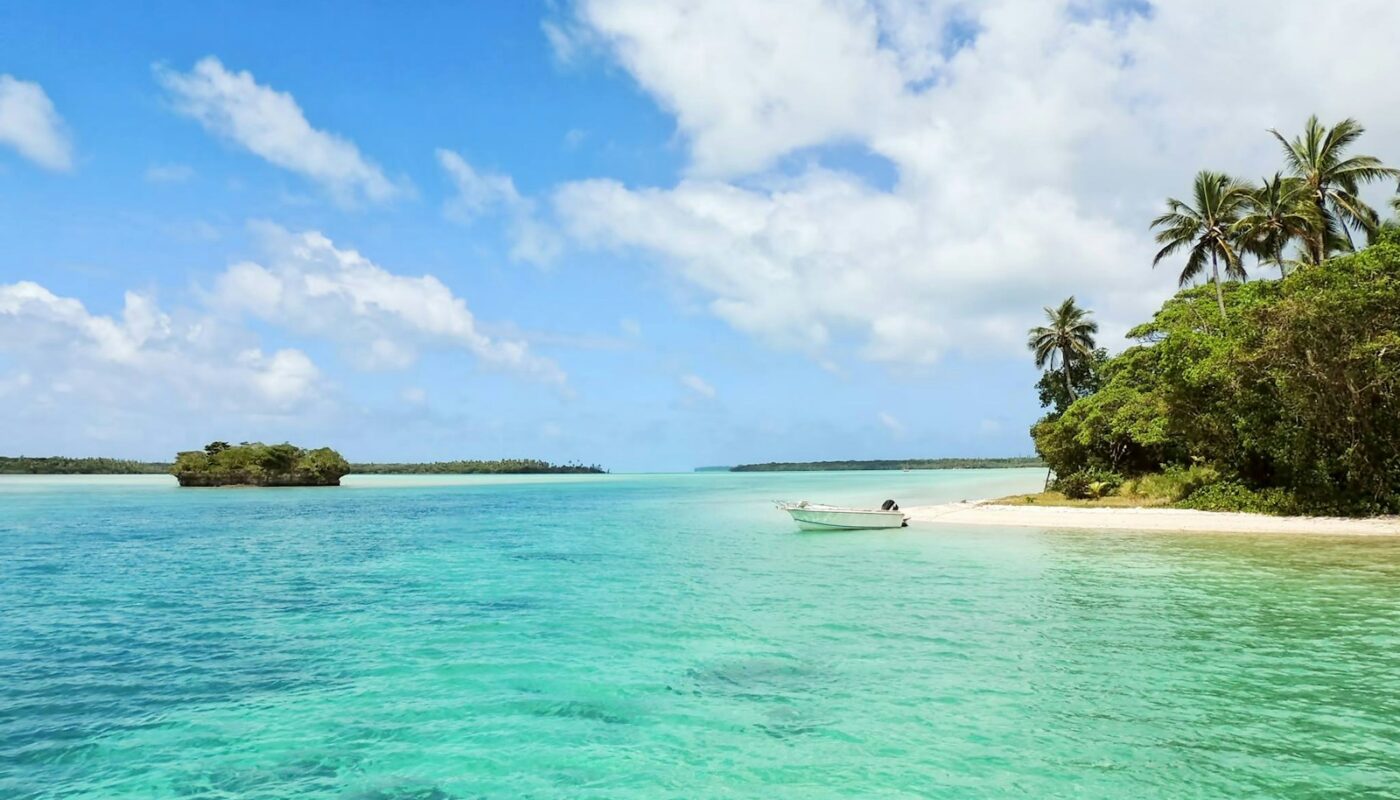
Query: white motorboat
point(818, 517)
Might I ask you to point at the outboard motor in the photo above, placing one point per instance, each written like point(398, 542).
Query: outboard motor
point(889, 505)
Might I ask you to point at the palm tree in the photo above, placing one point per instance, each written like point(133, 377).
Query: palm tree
point(1069, 338)
point(1331, 181)
point(1207, 228)
point(1278, 212)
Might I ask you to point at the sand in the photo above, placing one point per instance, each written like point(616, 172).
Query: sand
point(1144, 519)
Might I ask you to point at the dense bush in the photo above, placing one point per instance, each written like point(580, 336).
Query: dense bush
point(1175, 483)
point(1088, 484)
point(1296, 389)
point(1235, 496)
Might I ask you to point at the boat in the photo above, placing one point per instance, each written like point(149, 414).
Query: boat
point(818, 517)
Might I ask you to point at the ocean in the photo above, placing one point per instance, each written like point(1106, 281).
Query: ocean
point(672, 636)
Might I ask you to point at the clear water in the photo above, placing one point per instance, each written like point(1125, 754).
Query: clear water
point(672, 636)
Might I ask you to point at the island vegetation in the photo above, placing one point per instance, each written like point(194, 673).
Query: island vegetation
point(63, 465)
point(258, 464)
point(506, 466)
point(1279, 395)
point(912, 464)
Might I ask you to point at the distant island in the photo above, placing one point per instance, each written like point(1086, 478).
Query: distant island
point(505, 466)
point(258, 464)
point(62, 465)
point(912, 464)
point(222, 464)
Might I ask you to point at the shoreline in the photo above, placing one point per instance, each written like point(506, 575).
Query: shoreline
point(1173, 520)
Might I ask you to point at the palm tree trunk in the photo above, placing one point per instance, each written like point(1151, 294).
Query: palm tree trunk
point(1278, 259)
point(1219, 292)
point(1320, 240)
point(1064, 368)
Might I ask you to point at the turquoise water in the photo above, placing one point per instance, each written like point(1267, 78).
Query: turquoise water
point(672, 636)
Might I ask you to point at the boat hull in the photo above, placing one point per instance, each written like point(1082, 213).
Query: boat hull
point(824, 519)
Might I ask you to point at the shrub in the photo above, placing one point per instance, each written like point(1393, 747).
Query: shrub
point(1176, 483)
point(1087, 484)
point(1234, 496)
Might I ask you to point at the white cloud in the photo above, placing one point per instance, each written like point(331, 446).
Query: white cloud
point(30, 124)
point(1031, 141)
point(383, 319)
point(630, 326)
point(144, 358)
point(169, 173)
point(271, 124)
point(891, 423)
point(699, 61)
point(480, 194)
point(698, 385)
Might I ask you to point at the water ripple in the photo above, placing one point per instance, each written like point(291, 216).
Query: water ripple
point(671, 637)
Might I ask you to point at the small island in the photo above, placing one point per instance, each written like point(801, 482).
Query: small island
point(258, 464)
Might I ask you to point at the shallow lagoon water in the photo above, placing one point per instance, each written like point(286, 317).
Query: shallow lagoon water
point(672, 636)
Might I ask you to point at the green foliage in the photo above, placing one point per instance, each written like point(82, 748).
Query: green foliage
point(1084, 377)
point(1295, 388)
point(1235, 496)
point(1279, 212)
point(1205, 228)
point(61, 465)
point(922, 463)
point(1064, 345)
point(259, 464)
point(1088, 484)
point(1176, 483)
point(1331, 180)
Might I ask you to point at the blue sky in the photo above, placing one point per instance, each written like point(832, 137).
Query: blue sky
point(657, 237)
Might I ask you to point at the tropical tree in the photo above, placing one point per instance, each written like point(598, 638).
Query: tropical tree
point(1331, 181)
point(1207, 228)
point(1066, 342)
point(1277, 213)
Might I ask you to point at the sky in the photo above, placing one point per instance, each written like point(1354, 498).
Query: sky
point(648, 235)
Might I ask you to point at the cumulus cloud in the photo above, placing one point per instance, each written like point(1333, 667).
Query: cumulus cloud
point(1030, 142)
point(30, 124)
point(481, 194)
point(307, 284)
point(143, 357)
point(270, 124)
point(698, 385)
point(830, 81)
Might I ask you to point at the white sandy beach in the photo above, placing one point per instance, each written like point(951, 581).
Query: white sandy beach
point(1145, 519)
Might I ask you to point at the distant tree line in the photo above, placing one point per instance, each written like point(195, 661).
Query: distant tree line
point(62, 465)
point(505, 466)
point(887, 464)
point(259, 458)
